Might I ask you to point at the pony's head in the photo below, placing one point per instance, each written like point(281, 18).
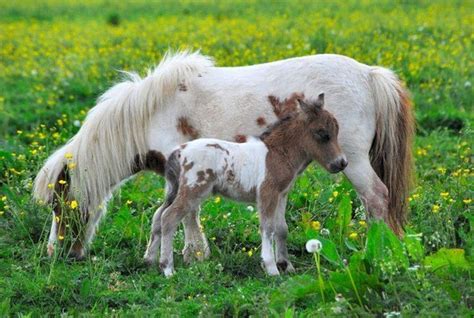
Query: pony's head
point(320, 135)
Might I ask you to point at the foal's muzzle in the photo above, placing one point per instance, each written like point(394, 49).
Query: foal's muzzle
point(338, 165)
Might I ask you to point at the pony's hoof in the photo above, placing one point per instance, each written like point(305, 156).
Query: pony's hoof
point(78, 255)
point(50, 250)
point(191, 253)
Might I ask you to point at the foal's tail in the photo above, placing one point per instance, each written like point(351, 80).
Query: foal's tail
point(113, 141)
point(391, 152)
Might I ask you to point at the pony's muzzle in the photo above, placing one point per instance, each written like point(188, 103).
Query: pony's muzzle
point(339, 164)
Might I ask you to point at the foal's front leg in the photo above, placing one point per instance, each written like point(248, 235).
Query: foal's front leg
point(281, 234)
point(268, 202)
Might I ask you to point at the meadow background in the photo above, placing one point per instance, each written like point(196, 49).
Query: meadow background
point(56, 57)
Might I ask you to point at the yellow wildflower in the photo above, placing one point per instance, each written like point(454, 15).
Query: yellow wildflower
point(363, 223)
point(4, 198)
point(129, 202)
point(217, 199)
point(316, 225)
point(60, 237)
point(435, 208)
point(57, 219)
point(467, 201)
point(68, 155)
point(62, 182)
point(73, 204)
point(335, 194)
point(444, 194)
point(71, 165)
point(50, 186)
point(353, 235)
point(441, 170)
point(250, 253)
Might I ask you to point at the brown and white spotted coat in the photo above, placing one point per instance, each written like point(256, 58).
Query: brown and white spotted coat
point(260, 170)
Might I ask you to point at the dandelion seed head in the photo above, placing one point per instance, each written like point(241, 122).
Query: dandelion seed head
point(314, 246)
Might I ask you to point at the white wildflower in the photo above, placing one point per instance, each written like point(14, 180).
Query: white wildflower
point(314, 246)
point(325, 232)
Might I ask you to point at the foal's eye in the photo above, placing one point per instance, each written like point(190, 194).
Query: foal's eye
point(322, 135)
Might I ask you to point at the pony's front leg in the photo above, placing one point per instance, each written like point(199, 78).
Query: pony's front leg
point(268, 202)
point(281, 234)
point(195, 242)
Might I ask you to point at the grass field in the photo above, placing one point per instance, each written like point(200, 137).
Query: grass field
point(56, 57)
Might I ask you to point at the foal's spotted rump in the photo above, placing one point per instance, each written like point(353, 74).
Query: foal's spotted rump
point(260, 170)
point(231, 169)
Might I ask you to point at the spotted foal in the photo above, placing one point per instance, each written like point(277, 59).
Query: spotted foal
point(261, 170)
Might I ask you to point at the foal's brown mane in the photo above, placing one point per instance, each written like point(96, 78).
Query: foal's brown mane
point(263, 136)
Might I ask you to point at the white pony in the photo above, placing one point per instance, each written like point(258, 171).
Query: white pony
point(138, 122)
point(261, 170)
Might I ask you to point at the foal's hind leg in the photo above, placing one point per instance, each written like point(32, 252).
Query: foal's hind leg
point(195, 242)
point(155, 237)
point(371, 190)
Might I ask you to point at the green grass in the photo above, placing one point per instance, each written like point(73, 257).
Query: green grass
point(56, 57)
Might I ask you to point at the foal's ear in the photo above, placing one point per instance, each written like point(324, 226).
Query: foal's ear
point(314, 106)
point(319, 103)
point(304, 106)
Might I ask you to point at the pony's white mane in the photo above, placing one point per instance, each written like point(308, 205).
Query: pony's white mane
point(114, 132)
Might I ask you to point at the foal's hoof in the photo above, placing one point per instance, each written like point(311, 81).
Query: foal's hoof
point(270, 269)
point(168, 272)
point(149, 261)
point(285, 266)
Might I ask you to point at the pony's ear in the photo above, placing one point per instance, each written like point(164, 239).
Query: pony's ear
point(319, 103)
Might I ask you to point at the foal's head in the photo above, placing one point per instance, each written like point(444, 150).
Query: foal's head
point(319, 135)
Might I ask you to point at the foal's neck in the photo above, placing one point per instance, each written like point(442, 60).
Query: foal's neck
point(284, 140)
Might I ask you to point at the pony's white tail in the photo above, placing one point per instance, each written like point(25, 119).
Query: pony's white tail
point(391, 153)
point(106, 147)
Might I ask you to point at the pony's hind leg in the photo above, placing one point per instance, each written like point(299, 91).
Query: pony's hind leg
point(195, 242)
point(281, 234)
point(371, 190)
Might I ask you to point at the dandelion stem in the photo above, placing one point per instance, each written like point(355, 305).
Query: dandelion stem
point(320, 278)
